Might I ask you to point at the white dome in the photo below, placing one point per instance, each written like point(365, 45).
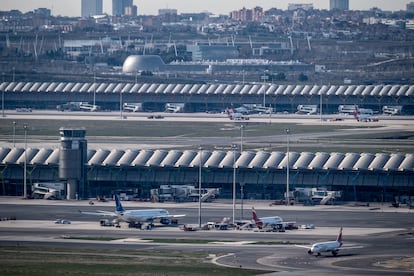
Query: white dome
point(137, 63)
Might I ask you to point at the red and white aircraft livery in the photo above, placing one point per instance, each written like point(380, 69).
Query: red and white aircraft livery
point(330, 246)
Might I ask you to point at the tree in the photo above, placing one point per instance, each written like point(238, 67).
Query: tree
point(302, 77)
point(280, 77)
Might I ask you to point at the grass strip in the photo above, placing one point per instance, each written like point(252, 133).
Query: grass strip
point(34, 262)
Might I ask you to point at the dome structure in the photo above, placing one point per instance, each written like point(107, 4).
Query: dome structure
point(137, 63)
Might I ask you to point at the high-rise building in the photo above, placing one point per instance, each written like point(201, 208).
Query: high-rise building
point(410, 7)
point(339, 4)
point(294, 6)
point(119, 6)
point(91, 7)
point(131, 11)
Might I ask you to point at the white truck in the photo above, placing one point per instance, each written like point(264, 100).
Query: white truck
point(183, 193)
point(48, 190)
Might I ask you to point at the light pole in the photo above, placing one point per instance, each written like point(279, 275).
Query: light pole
point(94, 88)
point(287, 167)
point(241, 197)
point(241, 137)
point(320, 106)
point(120, 104)
point(199, 185)
point(265, 78)
point(2, 98)
point(234, 181)
point(14, 134)
point(25, 163)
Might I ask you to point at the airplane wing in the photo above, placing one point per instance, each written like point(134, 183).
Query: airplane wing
point(168, 216)
point(350, 247)
point(303, 246)
point(288, 223)
point(100, 213)
point(339, 248)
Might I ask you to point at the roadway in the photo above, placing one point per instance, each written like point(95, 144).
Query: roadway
point(384, 233)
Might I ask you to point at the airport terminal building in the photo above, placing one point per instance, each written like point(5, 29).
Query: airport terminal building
point(261, 175)
point(200, 97)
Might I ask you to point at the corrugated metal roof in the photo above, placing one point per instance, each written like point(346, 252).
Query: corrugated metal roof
point(214, 89)
point(303, 160)
point(220, 159)
point(142, 158)
point(53, 158)
point(205, 155)
point(229, 159)
point(126, 159)
point(98, 158)
point(259, 159)
point(408, 163)
point(186, 158)
point(364, 161)
point(156, 158)
point(113, 157)
point(30, 154)
point(41, 156)
point(171, 158)
point(333, 161)
point(274, 160)
point(215, 159)
point(348, 162)
point(319, 160)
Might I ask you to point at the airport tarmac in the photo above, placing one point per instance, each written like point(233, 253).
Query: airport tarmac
point(384, 233)
point(390, 124)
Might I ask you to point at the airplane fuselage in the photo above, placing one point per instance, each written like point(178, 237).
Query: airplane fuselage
point(144, 215)
point(270, 221)
point(331, 246)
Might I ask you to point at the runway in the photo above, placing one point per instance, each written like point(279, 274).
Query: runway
point(384, 233)
point(386, 124)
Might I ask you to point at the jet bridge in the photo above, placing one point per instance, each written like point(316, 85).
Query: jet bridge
point(183, 193)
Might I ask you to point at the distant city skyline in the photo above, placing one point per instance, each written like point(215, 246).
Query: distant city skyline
point(61, 7)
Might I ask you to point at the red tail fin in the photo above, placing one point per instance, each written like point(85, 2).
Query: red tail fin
point(339, 238)
point(256, 219)
point(356, 112)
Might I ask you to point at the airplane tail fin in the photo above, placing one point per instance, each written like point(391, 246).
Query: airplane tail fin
point(255, 217)
point(356, 112)
point(339, 238)
point(119, 207)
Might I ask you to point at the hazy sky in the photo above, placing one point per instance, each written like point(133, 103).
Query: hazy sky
point(72, 7)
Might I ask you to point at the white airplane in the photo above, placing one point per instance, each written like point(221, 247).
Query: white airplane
point(364, 115)
point(233, 114)
point(88, 107)
point(330, 246)
point(136, 217)
point(274, 222)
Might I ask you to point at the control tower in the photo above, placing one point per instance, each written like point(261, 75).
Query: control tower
point(72, 161)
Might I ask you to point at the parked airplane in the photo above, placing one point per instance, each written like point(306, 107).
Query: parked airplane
point(330, 246)
point(136, 217)
point(364, 115)
point(307, 109)
point(89, 107)
point(273, 222)
point(133, 107)
point(233, 114)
